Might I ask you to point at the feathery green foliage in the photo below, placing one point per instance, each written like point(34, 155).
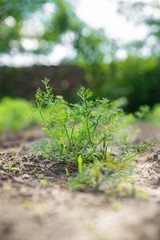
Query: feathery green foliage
point(85, 128)
point(85, 132)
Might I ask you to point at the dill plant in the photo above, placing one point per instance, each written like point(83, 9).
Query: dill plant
point(85, 128)
point(83, 132)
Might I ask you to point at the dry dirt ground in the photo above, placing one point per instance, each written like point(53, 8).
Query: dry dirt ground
point(31, 209)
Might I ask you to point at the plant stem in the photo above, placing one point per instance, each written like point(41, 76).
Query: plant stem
point(67, 134)
point(45, 123)
point(94, 129)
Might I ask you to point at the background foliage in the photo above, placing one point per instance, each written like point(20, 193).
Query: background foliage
point(47, 23)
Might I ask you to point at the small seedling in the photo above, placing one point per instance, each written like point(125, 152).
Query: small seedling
point(27, 204)
point(67, 172)
point(43, 182)
point(10, 167)
point(143, 147)
point(84, 132)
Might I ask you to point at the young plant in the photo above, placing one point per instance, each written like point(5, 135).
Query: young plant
point(83, 129)
point(10, 168)
point(84, 132)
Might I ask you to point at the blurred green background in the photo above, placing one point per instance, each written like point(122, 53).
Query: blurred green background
point(27, 29)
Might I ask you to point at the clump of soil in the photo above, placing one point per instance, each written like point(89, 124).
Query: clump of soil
point(36, 204)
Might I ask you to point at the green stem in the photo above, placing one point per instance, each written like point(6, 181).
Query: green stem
point(94, 129)
point(67, 134)
point(88, 131)
point(45, 123)
point(72, 130)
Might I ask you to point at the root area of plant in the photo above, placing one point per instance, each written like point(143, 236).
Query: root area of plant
point(36, 204)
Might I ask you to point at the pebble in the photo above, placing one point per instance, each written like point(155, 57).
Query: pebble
point(25, 176)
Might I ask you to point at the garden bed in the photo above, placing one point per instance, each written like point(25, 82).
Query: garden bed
point(35, 202)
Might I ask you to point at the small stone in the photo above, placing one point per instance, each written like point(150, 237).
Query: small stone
point(155, 180)
point(25, 176)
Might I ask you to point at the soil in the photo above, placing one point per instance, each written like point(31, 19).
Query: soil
point(33, 208)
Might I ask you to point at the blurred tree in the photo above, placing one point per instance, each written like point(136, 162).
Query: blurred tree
point(138, 79)
point(41, 21)
point(146, 12)
point(37, 26)
point(12, 17)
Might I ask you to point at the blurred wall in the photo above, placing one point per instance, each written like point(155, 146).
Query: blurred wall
point(23, 82)
point(135, 78)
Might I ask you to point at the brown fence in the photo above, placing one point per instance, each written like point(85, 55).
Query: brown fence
point(23, 82)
